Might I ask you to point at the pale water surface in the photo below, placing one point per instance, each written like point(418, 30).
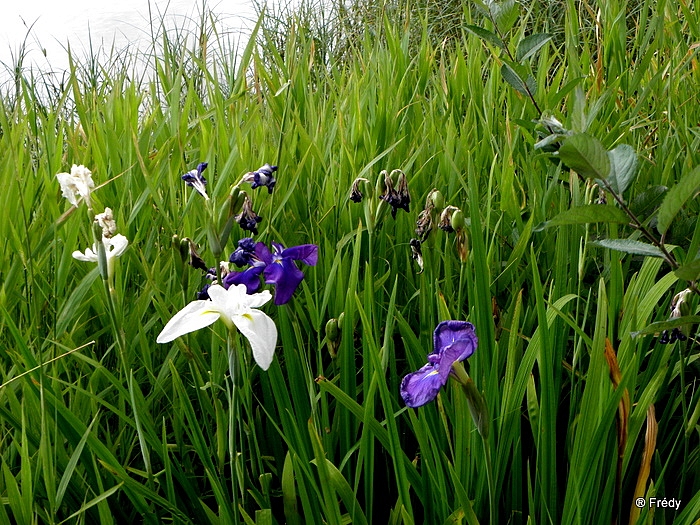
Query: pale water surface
point(55, 23)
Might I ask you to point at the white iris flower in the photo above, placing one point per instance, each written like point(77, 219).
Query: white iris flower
point(234, 307)
point(77, 183)
point(114, 247)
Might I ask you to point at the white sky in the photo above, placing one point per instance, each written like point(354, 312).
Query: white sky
point(124, 22)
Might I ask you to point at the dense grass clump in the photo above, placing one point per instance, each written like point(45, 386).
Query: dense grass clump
point(567, 414)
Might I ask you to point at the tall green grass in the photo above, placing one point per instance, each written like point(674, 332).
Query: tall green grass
point(155, 433)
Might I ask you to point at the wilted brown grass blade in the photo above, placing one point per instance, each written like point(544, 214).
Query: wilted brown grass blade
point(649, 447)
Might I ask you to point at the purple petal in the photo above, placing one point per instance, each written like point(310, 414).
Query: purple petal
point(306, 253)
point(447, 332)
point(263, 253)
point(249, 277)
point(457, 351)
point(286, 278)
point(422, 386)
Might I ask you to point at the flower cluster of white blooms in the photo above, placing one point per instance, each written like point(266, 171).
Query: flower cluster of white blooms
point(79, 184)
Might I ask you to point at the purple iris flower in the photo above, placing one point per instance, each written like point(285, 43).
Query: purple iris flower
point(280, 268)
point(196, 180)
point(245, 252)
point(453, 341)
point(262, 177)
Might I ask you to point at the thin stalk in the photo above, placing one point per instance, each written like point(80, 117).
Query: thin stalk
point(108, 283)
point(637, 225)
point(231, 349)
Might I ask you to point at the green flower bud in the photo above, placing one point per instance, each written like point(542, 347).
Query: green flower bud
point(457, 220)
point(340, 320)
point(184, 249)
point(382, 181)
point(438, 199)
point(332, 331)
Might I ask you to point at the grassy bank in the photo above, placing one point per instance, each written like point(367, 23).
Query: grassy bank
point(99, 423)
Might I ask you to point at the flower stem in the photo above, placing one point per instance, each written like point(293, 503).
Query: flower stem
point(232, 422)
point(106, 273)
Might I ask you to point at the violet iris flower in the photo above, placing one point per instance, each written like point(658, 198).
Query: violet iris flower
point(453, 341)
point(196, 180)
point(280, 268)
point(262, 177)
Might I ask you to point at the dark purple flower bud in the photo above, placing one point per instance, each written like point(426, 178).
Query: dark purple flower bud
point(248, 219)
point(416, 252)
point(664, 339)
point(203, 294)
point(355, 193)
point(244, 253)
point(396, 197)
point(247, 244)
point(453, 341)
point(196, 180)
point(195, 260)
point(262, 177)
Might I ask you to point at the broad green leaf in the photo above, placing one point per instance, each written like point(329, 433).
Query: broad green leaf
point(486, 35)
point(629, 246)
point(481, 7)
point(585, 155)
point(504, 14)
point(647, 201)
point(689, 271)
point(587, 214)
point(676, 197)
point(518, 77)
point(659, 326)
point(623, 167)
point(530, 45)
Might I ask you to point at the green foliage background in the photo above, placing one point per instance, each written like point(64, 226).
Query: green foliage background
point(332, 93)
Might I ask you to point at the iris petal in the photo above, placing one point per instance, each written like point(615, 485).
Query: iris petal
point(250, 278)
point(451, 354)
point(422, 386)
point(447, 332)
point(263, 253)
point(194, 316)
point(286, 278)
point(262, 334)
point(306, 253)
point(454, 341)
